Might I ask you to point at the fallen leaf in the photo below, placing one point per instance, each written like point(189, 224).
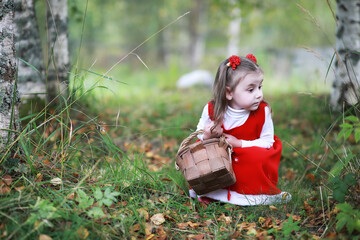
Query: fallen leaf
point(182, 225)
point(149, 237)
point(196, 237)
point(169, 145)
point(46, 162)
point(82, 233)
point(290, 174)
point(167, 216)
point(158, 219)
point(161, 234)
point(225, 219)
point(310, 176)
point(7, 179)
point(193, 225)
point(163, 199)
point(4, 189)
point(268, 223)
point(148, 229)
point(20, 188)
point(143, 213)
point(44, 237)
point(261, 220)
point(39, 177)
point(208, 222)
point(245, 226)
point(56, 181)
point(294, 217)
point(71, 196)
point(149, 154)
point(3, 232)
point(251, 231)
point(308, 208)
point(136, 227)
point(272, 207)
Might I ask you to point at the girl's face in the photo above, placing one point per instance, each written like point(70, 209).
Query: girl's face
point(248, 93)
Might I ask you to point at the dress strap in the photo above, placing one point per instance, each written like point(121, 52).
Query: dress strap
point(211, 106)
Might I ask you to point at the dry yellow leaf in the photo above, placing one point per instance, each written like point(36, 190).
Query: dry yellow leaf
point(7, 179)
point(272, 207)
point(56, 181)
point(39, 177)
point(262, 220)
point(158, 219)
point(44, 237)
point(82, 233)
point(143, 213)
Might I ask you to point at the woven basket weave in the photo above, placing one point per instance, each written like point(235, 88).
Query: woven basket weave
point(206, 165)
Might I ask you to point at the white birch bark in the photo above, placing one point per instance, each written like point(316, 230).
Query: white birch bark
point(345, 89)
point(197, 26)
point(9, 96)
point(59, 63)
point(28, 47)
point(234, 30)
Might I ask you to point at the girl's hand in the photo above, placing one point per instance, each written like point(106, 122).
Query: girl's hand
point(233, 141)
point(212, 133)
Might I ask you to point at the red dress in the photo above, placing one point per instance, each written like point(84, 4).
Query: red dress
point(256, 168)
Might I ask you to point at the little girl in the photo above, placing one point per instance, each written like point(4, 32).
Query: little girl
point(240, 113)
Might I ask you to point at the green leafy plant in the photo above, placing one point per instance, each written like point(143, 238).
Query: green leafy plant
point(340, 186)
point(290, 226)
point(84, 200)
point(106, 198)
point(351, 125)
point(348, 217)
point(43, 211)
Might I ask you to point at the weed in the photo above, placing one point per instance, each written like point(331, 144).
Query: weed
point(348, 217)
point(43, 211)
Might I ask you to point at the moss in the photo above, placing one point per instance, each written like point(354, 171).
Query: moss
point(6, 98)
point(7, 6)
point(355, 57)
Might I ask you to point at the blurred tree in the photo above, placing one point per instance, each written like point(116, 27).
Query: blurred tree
point(197, 28)
point(346, 85)
point(28, 49)
point(234, 29)
point(9, 96)
point(58, 67)
point(113, 28)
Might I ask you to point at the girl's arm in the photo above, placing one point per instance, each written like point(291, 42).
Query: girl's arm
point(206, 124)
point(266, 139)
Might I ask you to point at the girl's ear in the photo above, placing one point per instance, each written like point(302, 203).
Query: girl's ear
point(228, 94)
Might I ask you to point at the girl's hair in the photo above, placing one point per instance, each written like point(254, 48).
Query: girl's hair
point(228, 77)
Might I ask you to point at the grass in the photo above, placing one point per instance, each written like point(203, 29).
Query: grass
point(102, 166)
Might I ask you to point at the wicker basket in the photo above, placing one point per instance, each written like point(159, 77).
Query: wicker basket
point(206, 165)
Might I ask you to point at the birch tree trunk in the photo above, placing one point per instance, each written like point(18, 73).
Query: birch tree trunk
point(345, 89)
point(59, 63)
point(28, 47)
point(234, 29)
point(9, 96)
point(196, 30)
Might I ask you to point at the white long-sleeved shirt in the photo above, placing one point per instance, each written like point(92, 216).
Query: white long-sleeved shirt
point(234, 118)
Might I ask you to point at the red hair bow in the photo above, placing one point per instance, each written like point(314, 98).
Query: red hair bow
point(233, 61)
point(251, 57)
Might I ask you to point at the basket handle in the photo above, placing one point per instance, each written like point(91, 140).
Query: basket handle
point(186, 142)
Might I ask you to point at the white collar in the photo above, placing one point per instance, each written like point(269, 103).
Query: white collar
point(236, 112)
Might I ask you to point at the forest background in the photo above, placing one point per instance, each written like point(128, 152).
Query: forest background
point(100, 164)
